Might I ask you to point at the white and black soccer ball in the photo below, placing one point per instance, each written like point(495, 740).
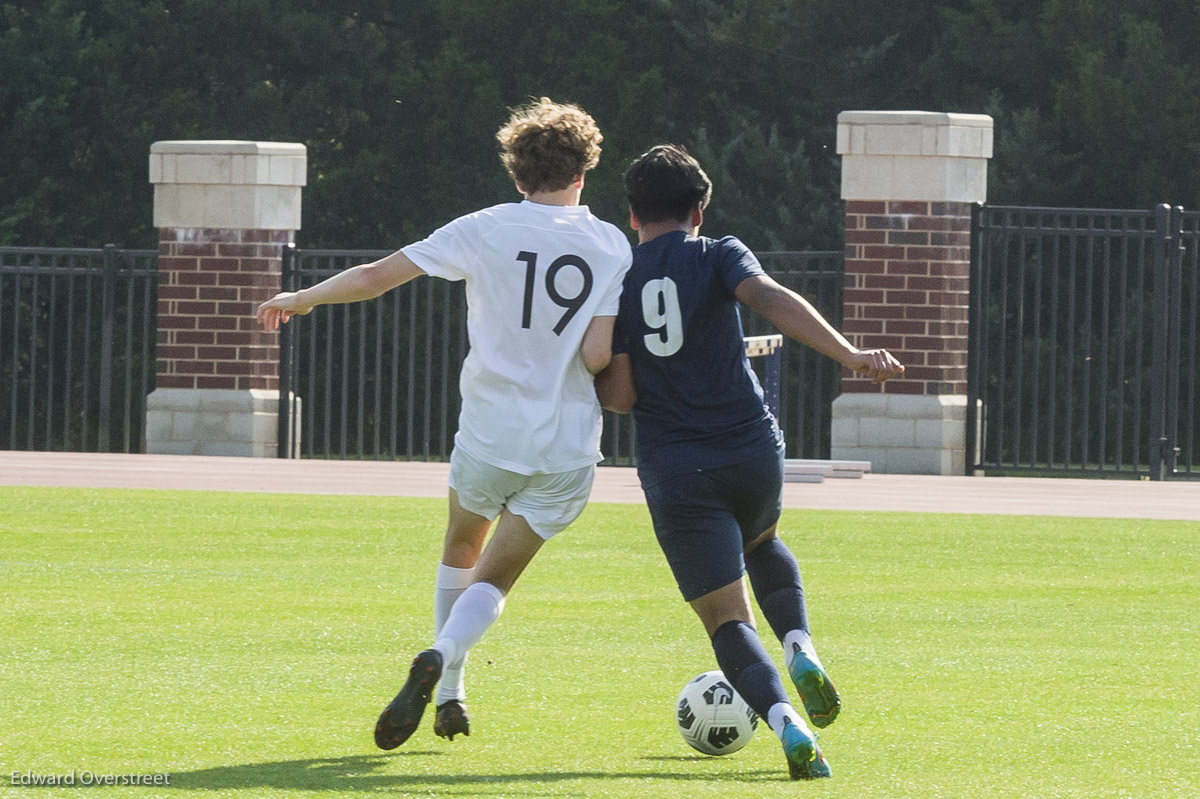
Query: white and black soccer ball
point(712, 717)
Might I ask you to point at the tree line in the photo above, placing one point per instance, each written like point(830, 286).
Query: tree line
point(1096, 102)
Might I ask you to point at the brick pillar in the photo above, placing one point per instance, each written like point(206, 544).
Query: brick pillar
point(224, 210)
point(909, 180)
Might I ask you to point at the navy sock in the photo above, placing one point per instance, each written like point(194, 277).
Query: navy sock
point(747, 666)
point(775, 578)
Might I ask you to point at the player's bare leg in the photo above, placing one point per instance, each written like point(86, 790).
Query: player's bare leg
point(513, 545)
point(504, 557)
point(728, 603)
point(511, 548)
point(465, 536)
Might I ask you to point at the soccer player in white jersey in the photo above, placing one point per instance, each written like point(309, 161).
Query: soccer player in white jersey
point(543, 280)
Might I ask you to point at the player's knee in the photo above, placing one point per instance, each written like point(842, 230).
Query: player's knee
point(461, 547)
point(771, 533)
point(728, 604)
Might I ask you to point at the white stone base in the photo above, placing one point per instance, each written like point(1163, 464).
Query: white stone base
point(230, 422)
point(901, 433)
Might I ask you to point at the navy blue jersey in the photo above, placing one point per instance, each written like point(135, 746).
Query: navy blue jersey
point(699, 404)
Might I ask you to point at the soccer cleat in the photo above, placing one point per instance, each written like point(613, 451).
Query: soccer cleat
point(820, 697)
point(451, 719)
point(805, 761)
point(399, 720)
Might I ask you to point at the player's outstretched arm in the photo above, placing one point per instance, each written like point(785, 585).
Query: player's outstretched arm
point(796, 318)
point(614, 386)
point(362, 282)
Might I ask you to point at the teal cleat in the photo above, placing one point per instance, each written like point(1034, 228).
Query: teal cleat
point(820, 697)
point(805, 761)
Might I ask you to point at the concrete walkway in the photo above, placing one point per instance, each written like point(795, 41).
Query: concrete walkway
point(875, 492)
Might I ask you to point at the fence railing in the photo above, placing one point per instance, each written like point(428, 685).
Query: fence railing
point(77, 340)
point(380, 379)
point(1083, 342)
point(809, 381)
point(377, 379)
point(1084, 355)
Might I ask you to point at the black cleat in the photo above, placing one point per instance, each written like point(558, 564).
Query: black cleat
point(399, 720)
point(452, 719)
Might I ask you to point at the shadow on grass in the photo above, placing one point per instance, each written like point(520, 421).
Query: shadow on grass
point(362, 773)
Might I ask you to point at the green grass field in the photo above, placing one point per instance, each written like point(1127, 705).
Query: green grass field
point(245, 644)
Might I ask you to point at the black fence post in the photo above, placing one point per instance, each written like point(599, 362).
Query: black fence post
point(974, 338)
point(283, 437)
point(1158, 334)
point(108, 288)
point(1174, 321)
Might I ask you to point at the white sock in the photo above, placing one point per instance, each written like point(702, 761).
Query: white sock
point(803, 640)
point(451, 582)
point(779, 715)
point(472, 615)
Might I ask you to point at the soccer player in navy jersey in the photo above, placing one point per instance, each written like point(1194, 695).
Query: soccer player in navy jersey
point(710, 454)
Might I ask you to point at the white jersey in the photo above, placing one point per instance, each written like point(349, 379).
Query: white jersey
point(535, 275)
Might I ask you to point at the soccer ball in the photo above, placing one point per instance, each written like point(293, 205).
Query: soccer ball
point(712, 717)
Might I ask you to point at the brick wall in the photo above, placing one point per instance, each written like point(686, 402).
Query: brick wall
point(210, 283)
point(907, 275)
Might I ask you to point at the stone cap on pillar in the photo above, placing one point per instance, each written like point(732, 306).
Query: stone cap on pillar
point(229, 185)
point(914, 155)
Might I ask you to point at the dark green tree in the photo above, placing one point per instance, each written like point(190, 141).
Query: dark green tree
point(1094, 101)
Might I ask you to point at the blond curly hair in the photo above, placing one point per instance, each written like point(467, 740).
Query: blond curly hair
point(546, 145)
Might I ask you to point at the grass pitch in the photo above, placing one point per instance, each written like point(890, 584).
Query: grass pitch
point(244, 645)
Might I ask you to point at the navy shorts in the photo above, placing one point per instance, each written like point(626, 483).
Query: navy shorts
point(704, 519)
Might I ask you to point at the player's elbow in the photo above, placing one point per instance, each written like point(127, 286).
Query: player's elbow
point(619, 404)
point(373, 281)
point(774, 302)
point(615, 391)
point(596, 356)
point(598, 363)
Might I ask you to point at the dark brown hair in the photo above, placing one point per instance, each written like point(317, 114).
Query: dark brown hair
point(665, 183)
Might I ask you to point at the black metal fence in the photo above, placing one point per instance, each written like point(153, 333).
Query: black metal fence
point(1083, 342)
point(1083, 359)
point(376, 379)
point(380, 379)
point(77, 336)
point(809, 381)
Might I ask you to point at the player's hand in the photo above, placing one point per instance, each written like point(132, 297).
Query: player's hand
point(280, 308)
point(879, 365)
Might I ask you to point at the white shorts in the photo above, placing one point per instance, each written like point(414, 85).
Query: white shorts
point(548, 502)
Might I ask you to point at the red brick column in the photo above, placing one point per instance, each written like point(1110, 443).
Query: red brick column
point(210, 283)
point(224, 211)
point(907, 275)
point(909, 179)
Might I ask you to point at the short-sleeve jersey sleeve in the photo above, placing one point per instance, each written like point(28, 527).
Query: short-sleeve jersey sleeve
point(448, 252)
point(737, 264)
point(610, 305)
point(623, 328)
